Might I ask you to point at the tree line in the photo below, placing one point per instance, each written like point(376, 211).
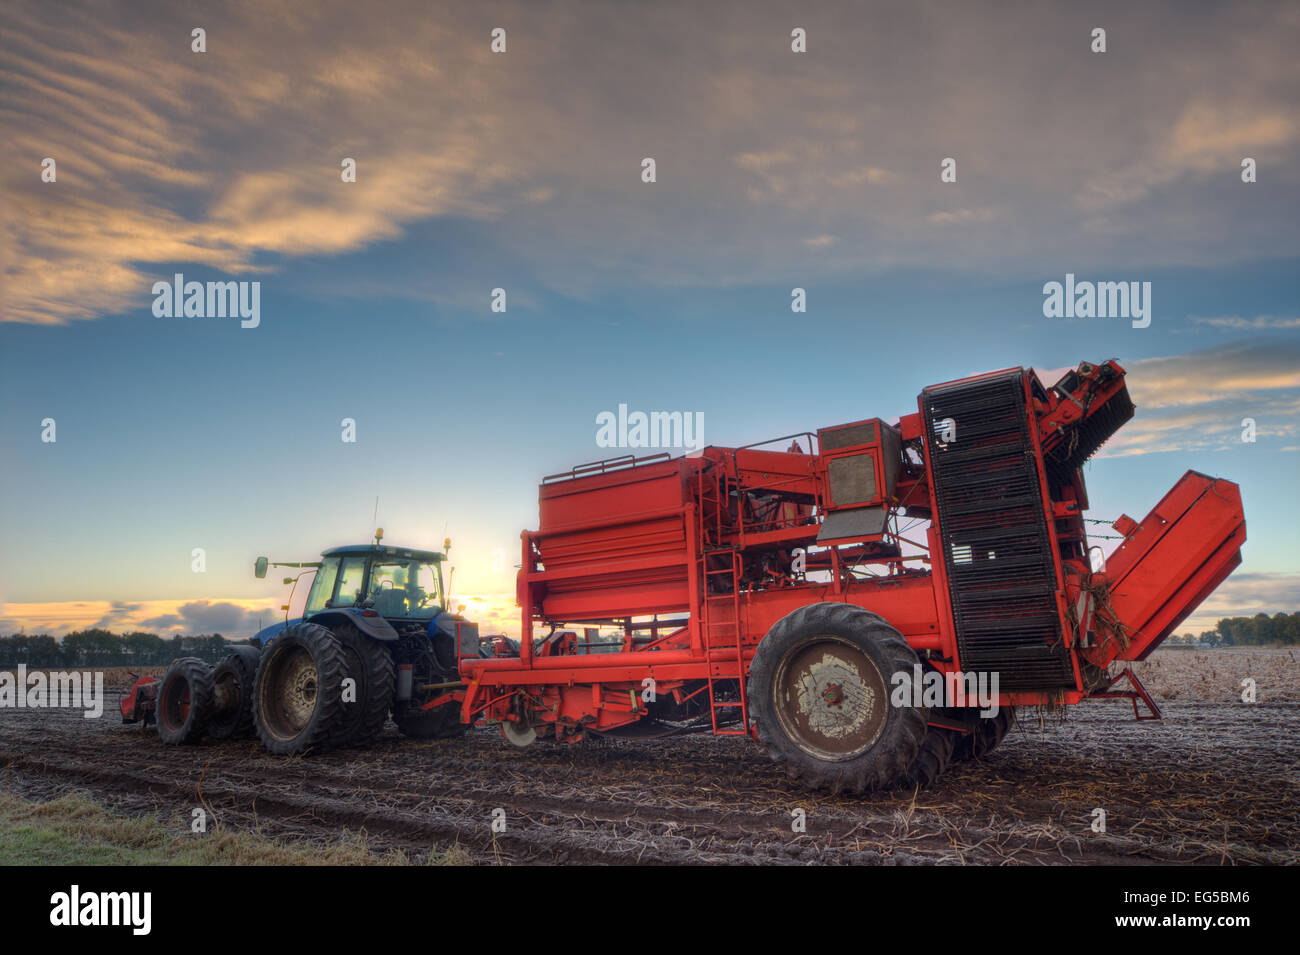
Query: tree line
point(1261, 630)
point(103, 648)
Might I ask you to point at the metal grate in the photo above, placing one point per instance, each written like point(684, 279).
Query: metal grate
point(1001, 571)
point(1089, 435)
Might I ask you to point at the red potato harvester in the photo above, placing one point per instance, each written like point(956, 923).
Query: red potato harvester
point(846, 601)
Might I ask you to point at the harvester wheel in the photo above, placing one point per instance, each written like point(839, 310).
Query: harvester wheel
point(185, 701)
point(985, 736)
point(518, 735)
point(819, 693)
point(370, 663)
point(931, 759)
point(298, 693)
point(232, 698)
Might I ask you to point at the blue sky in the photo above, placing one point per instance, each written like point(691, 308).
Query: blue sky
point(522, 171)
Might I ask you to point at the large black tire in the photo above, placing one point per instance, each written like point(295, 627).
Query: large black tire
point(370, 663)
point(441, 722)
point(232, 699)
point(185, 701)
point(931, 759)
point(985, 735)
point(298, 693)
point(819, 694)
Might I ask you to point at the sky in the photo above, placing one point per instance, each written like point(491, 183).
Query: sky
point(522, 170)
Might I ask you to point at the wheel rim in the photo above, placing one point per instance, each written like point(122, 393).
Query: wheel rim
point(518, 734)
point(830, 698)
point(225, 694)
point(175, 707)
point(290, 692)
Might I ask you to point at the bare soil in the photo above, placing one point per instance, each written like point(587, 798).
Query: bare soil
point(1214, 782)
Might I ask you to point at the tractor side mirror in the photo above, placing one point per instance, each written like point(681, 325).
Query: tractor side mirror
point(259, 567)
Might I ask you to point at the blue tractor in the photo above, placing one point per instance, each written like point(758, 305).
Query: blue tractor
point(375, 639)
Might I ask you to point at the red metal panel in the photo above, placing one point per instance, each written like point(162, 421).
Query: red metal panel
point(1181, 551)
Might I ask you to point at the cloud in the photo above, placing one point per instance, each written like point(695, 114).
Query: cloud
point(233, 618)
point(1245, 594)
point(960, 216)
point(229, 160)
point(1237, 323)
point(1237, 370)
point(204, 616)
point(1208, 138)
point(232, 154)
point(119, 613)
point(1199, 401)
point(168, 621)
point(820, 241)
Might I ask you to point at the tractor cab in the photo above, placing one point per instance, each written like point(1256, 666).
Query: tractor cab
point(381, 590)
point(395, 583)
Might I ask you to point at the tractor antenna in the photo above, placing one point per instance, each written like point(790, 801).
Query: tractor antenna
point(374, 518)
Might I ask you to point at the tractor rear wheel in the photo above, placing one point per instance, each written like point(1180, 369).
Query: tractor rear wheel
point(819, 693)
point(232, 698)
point(370, 663)
point(185, 701)
point(298, 692)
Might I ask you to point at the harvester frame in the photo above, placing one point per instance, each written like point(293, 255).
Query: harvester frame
point(703, 563)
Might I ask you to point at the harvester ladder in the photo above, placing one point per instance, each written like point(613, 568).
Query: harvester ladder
point(713, 502)
point(723, 633)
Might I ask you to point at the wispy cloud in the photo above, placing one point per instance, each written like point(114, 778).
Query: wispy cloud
point(232, 154)
point(1207, 138)
point(1245, 594)
point(1198, 401)
point(232, 618)
point(1237, 323)
point(230, 159)
point(960, 216)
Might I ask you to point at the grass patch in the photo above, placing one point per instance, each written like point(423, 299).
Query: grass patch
point(74, 830)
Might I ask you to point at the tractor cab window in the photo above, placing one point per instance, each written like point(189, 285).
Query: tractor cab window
point(405, 588)
point(322, 588)
point(351, 577)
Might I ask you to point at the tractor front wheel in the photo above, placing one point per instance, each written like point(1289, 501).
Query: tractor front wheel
point(819, 693)
point(298, 692)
